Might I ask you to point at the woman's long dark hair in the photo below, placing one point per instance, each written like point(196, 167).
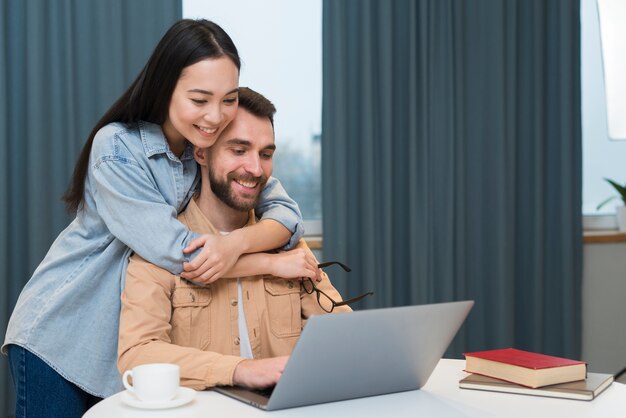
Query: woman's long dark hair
point(185, 43)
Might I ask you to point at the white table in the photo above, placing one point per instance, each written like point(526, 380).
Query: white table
point(440, 397)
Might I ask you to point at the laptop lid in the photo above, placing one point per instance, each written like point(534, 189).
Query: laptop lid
point(364, 353)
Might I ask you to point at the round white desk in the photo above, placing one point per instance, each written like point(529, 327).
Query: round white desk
point(440, 397)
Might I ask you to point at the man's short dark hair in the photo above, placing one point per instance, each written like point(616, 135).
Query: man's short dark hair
point(256, 103)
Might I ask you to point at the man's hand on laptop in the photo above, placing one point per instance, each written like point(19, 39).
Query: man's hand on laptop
point(259, 374)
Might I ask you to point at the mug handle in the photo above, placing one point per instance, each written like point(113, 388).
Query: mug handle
point(127, 385)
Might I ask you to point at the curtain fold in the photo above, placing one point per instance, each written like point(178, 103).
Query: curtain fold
point(451, 162)
point(62, 64)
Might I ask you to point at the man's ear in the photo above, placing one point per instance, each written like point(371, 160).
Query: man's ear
point(200, 155)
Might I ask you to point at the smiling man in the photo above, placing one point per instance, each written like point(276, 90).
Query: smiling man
point(238, 330)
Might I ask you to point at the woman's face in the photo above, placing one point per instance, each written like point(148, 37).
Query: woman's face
point(204, 101)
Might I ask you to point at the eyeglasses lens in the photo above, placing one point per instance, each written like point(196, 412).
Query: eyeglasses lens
point(325, 302)
point(307, 285)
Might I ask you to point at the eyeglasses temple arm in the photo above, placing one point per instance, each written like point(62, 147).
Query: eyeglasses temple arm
point(330, 263)
point(353, 300)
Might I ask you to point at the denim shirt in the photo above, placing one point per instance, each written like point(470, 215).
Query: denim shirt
point(68, 313)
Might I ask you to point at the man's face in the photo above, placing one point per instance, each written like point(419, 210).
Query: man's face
point(240, 162)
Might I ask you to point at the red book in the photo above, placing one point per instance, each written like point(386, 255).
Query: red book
point(524, 367)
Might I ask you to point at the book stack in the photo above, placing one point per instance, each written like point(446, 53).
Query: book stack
point(517, 371)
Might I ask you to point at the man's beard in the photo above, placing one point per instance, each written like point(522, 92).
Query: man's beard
point(222, 189)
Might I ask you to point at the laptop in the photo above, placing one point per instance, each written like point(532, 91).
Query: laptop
point(364, 353)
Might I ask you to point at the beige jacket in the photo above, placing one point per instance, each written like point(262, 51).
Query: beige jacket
point(167, 319)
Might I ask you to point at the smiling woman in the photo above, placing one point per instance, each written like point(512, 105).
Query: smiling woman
point(136, 172)
point(203, 102)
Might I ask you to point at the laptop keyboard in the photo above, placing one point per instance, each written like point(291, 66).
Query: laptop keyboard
point(267, 392)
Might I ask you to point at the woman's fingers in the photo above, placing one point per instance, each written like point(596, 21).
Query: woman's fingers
point(195, 244)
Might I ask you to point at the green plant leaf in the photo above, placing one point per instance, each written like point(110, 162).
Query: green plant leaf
point(605, 202)
point(619, 188)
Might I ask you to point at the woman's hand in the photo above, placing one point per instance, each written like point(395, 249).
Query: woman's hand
point(295, 263)
point(218, 255)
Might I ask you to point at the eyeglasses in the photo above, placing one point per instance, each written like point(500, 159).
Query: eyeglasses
point(327, 303)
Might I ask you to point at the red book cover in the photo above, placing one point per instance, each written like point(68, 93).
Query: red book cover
point(523, 358)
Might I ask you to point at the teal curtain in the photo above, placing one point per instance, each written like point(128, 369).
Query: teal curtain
point(62, 64)
point(451, 162)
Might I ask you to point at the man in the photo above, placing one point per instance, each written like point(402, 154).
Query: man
point(239, 330)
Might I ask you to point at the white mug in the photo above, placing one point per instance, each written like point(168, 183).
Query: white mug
point(153, 382)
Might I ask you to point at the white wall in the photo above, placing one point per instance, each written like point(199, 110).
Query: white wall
point(280, 45)
point(602, 157)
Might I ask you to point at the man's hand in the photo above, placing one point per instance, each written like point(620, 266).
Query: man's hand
point(259, 374)
point(218, 255)
point(295, 264)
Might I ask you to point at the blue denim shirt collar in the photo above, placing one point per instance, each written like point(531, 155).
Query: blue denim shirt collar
point(154, 142)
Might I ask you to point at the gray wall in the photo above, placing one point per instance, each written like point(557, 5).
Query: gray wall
point(604, 306)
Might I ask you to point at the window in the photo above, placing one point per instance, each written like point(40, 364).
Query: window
point(280, 44)
point(602, 157)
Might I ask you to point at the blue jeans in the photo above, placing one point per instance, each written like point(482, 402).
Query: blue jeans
point(42, 392)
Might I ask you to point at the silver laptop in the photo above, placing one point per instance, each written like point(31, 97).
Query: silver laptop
point(364, 353)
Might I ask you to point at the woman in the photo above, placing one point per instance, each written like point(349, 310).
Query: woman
point(133, 176)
